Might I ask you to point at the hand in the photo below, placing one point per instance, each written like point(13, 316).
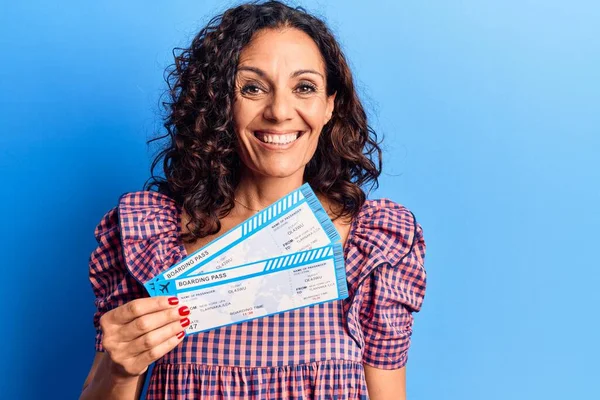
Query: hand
point(140, 332)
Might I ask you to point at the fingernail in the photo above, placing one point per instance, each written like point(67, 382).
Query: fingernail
point(173, 301)
point(183, 311)
point(185, 322)
point(180, 335)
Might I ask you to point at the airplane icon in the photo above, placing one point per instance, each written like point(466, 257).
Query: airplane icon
point(164, 288)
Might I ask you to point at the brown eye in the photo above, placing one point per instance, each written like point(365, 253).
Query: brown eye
point(251, 89)
point(305, 88)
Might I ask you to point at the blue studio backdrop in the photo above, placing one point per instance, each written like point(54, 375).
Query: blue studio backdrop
point(490, 113)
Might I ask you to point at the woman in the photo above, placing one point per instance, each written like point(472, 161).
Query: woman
point(262, 101)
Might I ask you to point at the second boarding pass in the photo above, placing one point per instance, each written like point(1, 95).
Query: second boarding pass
point(262, 288)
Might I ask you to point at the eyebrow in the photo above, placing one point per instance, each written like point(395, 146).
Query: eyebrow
point(262, 73)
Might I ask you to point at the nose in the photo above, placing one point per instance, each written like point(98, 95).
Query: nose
point(280, 107)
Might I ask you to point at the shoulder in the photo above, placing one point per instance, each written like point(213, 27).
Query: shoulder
point(144, 198)
point(383, 232)
point(133, 208)
point(381, 211)
point(143, 214)
point(145, 225)
point(388, 226)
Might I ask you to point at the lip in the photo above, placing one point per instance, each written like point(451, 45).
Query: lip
point(272, 146)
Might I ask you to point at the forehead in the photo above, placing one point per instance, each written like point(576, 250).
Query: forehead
point(280, 48)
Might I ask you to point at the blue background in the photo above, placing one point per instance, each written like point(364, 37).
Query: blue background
point(491, 115)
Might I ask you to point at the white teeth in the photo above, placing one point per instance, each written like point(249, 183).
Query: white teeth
point(277, 139)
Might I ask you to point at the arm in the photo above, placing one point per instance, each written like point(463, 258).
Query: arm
point(132, 330)
point(134, 335)
point(391, 293)
point(101, 383)
point(386, 384)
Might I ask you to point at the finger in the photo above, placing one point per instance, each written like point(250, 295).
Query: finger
point(150, 322)
point(156, 337)
point(149, 356)
point(136, 308)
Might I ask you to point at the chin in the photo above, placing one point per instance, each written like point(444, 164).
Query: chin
point(280, 174)
point(281, 171)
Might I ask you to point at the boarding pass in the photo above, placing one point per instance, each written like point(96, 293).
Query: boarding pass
point(294, 223)
point(259, 289)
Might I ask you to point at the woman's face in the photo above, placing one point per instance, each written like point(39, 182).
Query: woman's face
point(281, 104)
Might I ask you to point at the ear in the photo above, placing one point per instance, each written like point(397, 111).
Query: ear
point(330, 107)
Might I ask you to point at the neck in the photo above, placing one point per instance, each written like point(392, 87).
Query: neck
point(259, 192)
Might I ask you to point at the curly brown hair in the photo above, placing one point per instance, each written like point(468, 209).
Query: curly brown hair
point(200, 162)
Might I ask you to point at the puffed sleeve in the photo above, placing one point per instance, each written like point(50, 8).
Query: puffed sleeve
point(392, 294)
point(386, 281)
point(113, 286)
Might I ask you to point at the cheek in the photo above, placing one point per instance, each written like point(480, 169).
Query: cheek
point(238, 114)
point(243, 113)
point(313, 111)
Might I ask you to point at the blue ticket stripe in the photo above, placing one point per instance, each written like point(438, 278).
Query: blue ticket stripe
point(273, 265)
point(340, 272)
point(272, 212)
point(300, 257)
point(275, 210)
point(320, 213)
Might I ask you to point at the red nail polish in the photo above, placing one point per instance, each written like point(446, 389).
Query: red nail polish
point(185, 322)
point(180, 335)
point(183, 311)
point(173, 301)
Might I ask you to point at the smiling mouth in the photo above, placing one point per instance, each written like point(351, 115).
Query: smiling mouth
point(277, 139)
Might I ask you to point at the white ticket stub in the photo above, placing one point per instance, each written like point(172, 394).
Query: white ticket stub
point(294, 223)
point(267, 287)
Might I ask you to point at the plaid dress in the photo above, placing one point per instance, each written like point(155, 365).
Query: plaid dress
point(314, 352)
